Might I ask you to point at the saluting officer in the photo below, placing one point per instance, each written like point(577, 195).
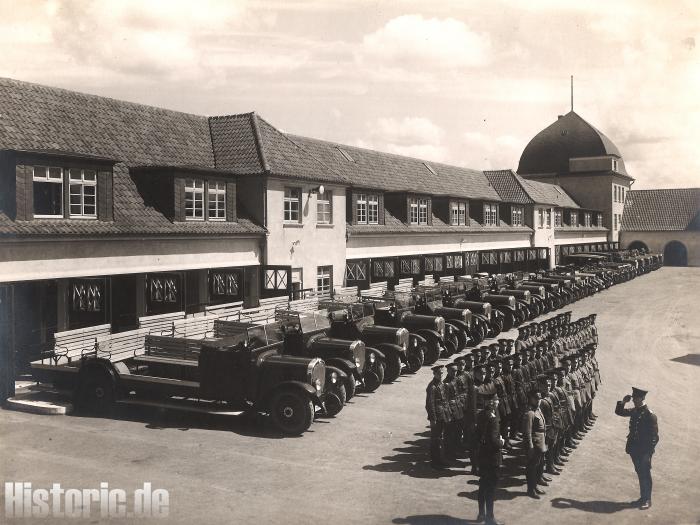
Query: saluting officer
point(641, 441)
point(436, 406)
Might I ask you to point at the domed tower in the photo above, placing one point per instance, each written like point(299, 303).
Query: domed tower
point(581, 159)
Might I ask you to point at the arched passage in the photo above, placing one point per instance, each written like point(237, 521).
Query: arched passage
point(675, 254)
point(638, 245)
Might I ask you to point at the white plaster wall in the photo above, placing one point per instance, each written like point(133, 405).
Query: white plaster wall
point(392, 245)
point(582, 237)
point(657, 241)
point(307, 245)
point(543, 237)
point(53, 259)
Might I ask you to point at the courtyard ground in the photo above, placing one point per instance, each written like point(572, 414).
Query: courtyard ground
point(369, 465)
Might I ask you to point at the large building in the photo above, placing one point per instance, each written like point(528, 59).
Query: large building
point(111, 211)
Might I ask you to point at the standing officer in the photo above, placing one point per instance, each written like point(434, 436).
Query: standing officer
point(641, 441)
point(452, 426)
point(490, 457)
point(438, 412)
point(534, 430)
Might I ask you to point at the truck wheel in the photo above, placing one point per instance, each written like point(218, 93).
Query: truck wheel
point(96, 393)
point(292, 412)
point(508, 320)
point(462, 339)
point(415, 360)
point(349, 387)
point(335, 400)
point(373, 377)
point(451, 346)
point(432, 353)
point(393, 367)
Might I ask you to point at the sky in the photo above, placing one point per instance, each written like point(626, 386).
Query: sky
point(462, 82)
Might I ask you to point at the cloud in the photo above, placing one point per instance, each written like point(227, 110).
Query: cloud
point(412, 41)
point(412, 136)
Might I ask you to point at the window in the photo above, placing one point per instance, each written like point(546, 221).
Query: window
point(83, 192)
point(163, 289)
point(490, 214)
point(422, 211)
point(623, 194)
point(361, 209)
point(557, 218)
point(324, 278)
point(292, 201)
point(587, 219)
point(516, 215)
point(355, 271)
point(413, 211)
point(574, 218)
point(86, 296)
point(372, 209)
point(48, 191)
point(549, 218)
point(324, 208)
point(454, 214)
point(383, 269)
point(194, 200)
point(614, 164)
point(225, 284)
point(599, 219)
point(216, 193)
point(458, 213)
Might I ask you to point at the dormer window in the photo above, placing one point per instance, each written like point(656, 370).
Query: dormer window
point(418, 211)
point(48, 192)
point(367, 208)
point(557, 218)
point(587, 220)
point(573, 218)
point(490, 214)
point(83, 193)
point(516, 215)
point(599, 219)
point(458, 213)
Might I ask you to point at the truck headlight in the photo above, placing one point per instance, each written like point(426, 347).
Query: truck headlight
point(357, 362)
point(317, 384)
point(372, 357)
point(334, 377)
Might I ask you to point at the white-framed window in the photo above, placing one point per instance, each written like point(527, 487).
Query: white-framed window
point(324, 208)
point(292, 205)
point(361, 208)
point(48, 192)
point(458, 213)
point(573, 218)
point(216, 194)
point(516, 215)
point(587, 219)
point(194, 200)
point(372, 209)
point(614, 164)
point(599, 219)
point(490, 214)
point(413, 211)
point(83, 192)
point(324, 278)
point(422, 211)
point(549, 217)
point(557, 218)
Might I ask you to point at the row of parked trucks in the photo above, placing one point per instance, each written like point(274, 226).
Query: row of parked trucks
point(292, 364)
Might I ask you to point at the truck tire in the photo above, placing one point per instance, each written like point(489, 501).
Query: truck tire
point(292, 412)
point(349, 388)
point(373, 377)
point(393, 367)
point(451, 346)
point(415, 360)
point(96, 392)
point(335, 400)
point(432, 353)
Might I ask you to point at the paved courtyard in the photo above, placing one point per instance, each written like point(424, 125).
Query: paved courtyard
point(369, 465)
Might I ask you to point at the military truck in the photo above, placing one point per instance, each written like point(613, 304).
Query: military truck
point(244, 373)
point(429, 301)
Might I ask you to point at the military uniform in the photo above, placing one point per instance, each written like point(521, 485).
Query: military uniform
point(534, 431)
point(490, 460)
point(641, 442)
point(438, 415)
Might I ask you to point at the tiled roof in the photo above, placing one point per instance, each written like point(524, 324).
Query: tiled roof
point(235, 143)
point(395, 225)
point(131, 217)
point(514, 188)
point(568, 137)
point(35, 117)
point(507, 186)
point(662, 210)
point(389, 172)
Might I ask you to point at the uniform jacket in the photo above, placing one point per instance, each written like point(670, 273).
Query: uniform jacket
point(453, 401)
point(534, 429)
point(489, 441)
point(436, 402)
point(643, 431)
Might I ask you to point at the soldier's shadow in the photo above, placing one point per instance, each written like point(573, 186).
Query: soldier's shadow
point(413, 459)
point(600, 507)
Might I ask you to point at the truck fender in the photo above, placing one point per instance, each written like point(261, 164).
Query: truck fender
point(378, 354)
point(430, 335)
point(343, 367)
point(391, 349)
point(296, 385)
point(458, 324)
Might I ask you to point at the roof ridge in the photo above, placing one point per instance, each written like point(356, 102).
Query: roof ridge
point(259, 145)
point(666, 189)
point(101, 97)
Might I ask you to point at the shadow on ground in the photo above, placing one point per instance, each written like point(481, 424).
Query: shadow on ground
point(599, 507)
point(433, 519)
point(688, 359)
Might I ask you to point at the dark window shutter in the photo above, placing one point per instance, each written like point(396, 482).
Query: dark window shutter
point(407, 220)
point(104, 196)
point(430, 211)
point(380, 199)
point(178, 199)
point(25, 193)
point(231, 202)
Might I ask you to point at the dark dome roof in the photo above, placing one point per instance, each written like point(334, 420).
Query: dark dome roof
point(569, 137)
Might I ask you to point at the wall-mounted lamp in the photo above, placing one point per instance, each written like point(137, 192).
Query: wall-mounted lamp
point(320, 190)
